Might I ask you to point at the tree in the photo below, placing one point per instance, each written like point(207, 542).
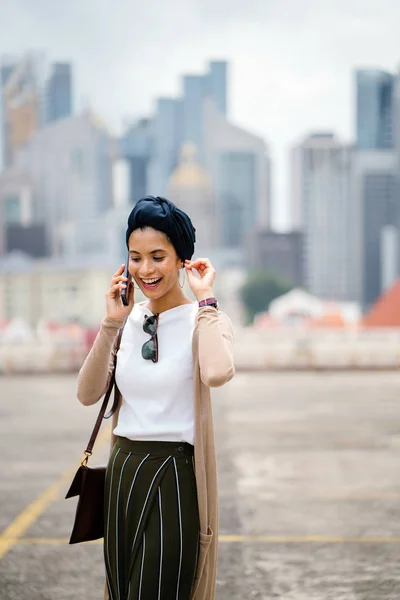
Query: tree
point(259, 290)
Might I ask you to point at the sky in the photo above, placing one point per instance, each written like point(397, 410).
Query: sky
point(291, 61)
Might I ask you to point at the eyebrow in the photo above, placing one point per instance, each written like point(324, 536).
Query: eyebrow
point(152, 252)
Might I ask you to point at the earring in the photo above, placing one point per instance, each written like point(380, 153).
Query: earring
point(183, 283)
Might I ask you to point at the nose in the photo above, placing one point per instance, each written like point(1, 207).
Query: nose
point(147, 270)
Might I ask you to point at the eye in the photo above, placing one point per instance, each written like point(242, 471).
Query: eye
point(159, 258)
point(135, 259)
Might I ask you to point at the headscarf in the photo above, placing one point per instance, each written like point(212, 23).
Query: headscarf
point(163, 215)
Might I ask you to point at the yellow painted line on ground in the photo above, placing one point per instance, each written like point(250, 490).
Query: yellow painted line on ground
point(48, 541)
point(12, 534)
point(232, 539)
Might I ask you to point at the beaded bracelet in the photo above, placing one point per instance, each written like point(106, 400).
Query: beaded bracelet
point(209, 302)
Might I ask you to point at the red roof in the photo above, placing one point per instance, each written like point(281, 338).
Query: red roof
point(327, 320)
point(386, 310)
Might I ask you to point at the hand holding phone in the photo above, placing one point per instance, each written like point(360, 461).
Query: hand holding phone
point(129, 284)
point(120, 296)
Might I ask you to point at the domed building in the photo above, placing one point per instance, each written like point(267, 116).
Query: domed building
point(190, 189)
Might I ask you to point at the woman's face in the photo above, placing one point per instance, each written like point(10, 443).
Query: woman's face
point(152, 258)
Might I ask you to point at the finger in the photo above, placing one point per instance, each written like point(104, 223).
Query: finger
point(196, 265)
point(116, 288)
point(201, 263)
point(118, 278)
point(120, 270)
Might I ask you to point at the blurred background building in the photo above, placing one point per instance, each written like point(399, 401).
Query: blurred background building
point(58, 99)
point(374, 109)
point(236, 162)
point(61, 176)
point(21, 103)
point(345, 198)
point(321, 176)
point(68, 183)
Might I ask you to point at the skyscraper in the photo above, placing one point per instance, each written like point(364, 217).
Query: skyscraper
point(239, 167)
point(217, 83)
point(196, 88)
point(176, 121)
point(58, 100)
point(135, 147)
point(190, 188)
point(374, 109)
point(166, 141)
point(68, 166)
point(377, 207)
point(21, 106)
point(324, 203)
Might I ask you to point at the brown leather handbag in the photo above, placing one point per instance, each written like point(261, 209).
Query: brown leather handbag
point(89, 482)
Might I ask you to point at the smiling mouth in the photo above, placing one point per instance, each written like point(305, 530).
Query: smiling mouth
point(151, 286)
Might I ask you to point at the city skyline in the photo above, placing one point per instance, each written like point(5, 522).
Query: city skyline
point(291, 66)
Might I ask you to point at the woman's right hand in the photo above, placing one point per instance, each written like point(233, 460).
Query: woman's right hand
point(116, 311)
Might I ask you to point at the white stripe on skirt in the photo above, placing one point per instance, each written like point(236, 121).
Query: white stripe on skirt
point(141, 568)
point(116, 522)
point(161, 543)
point(146, 501)
point(180, 527)
point(133, 483)
point(108, 516)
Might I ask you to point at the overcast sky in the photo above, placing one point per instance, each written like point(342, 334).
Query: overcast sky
point(291, 61)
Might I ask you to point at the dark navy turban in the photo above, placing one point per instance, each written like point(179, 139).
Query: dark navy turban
point(163, 215)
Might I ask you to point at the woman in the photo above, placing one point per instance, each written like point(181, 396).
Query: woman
point(161, 510)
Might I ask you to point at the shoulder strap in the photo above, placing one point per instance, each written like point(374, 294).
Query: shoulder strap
point(117, 394)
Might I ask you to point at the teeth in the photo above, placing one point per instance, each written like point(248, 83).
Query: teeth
point(149, 281)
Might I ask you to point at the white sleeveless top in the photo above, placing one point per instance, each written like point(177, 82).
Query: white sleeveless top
point(158, 398)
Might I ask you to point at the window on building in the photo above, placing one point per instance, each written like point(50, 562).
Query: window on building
point(13, 211)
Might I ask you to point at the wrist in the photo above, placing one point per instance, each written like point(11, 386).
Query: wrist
point(213, 302)
point(111, 322)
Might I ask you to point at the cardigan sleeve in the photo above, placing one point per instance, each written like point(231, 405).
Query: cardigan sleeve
point(216, 339)
point(95, 373)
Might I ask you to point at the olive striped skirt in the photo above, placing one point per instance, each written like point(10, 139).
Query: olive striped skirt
point(151, 536)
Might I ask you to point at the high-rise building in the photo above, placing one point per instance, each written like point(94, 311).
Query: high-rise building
point(396, 112)
point(135, 147)
point(176, 121)
point(194, 92)
point(239, 167)
point(58, 100)
point(279, 254)
point(374, 109)
point(377, 207)
point(21, 104)
point(18, 229)
point(323, 174)
point(217, 84)
point(69, 166)
point(196, 88)
point(236, 162)
point(296, 208)
point(165, 142)
point(190, 189)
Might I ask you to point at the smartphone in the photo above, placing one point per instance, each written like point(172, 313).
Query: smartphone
point(125, 291)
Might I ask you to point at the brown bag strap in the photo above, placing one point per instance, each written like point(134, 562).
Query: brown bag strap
point(101, 415)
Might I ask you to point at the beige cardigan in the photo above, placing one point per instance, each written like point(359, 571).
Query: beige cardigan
point(212, 367)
